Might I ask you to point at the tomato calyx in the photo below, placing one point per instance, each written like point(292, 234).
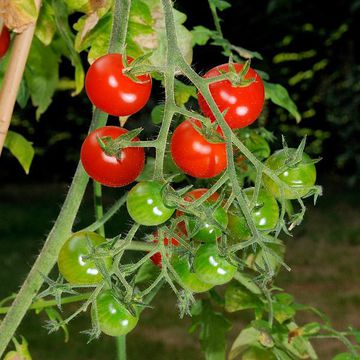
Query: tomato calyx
point(130, 67)
point(237, 79)
point(209, 130)
point(113, 147)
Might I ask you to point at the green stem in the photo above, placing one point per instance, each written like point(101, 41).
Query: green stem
point(121, 347)
point(63, 225)
point(99, 211)
point(216, 18)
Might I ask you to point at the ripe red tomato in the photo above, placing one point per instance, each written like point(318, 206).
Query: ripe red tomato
point(110, 90)
point(157, 258)
point(207, 232)
point(243, 103)
point(107, 169)
point(194, 154)
point(4, 41)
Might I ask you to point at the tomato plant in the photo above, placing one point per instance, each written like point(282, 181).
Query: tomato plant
point(157, 257)
point(189, 279)
point(194, 154)
point(117, 168)
point(113, 317)
point(243, 103)
point(110, 89)
point(211, 267)
point(73, 263)
point(265, 215)
point(206, 231)
point(300, 176)
point(145, 204)
point(4, 41)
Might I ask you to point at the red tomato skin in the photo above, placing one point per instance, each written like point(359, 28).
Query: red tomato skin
point(243, 103)
point(4, 41)
point(112, 91)
point(157, 258)
point(194, 155)
point(106, 169)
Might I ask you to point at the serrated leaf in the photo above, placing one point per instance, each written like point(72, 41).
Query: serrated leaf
point(18, 15)
point(237, 297)
point(20, 148)
point(184, 92)
point(220, 4)
point(61, 19)
point(45, 26)
point(147, 272)
point(244, 340)
point(42, 74)
point(280, 96)
point(201, 35)
point(212, 328)
point(23, 94)
point(283, 312)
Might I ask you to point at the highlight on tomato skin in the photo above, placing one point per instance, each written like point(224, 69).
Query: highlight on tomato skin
point(107, 169)
point(243, 103)
point(4, 41)
point(112, 91)
point(194, 154)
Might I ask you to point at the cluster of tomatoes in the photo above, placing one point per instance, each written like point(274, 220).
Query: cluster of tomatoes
point(107, 160)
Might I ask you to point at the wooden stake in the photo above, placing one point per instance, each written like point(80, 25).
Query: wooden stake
point(13, 76)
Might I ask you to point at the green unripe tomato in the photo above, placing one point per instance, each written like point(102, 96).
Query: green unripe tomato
point(255, 143)
point(265, 215)
point(207, 232)
point(145, 204)
point(212, 268)
point(188, 278)
point(300, 177)
point(72, 263)
point(114, 318)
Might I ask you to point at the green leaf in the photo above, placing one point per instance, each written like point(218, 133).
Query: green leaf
point(21, 352)
point(220, 4)
point(345, 356)
point(61, 19)
point(54, 315)
point(45, 26)
point(283, 312)
point(42, 74)
point(310, 329)
point(280, 96)
point(184, 92)
point(201, 35)
point(248, 282)
point(237, 297)
point(23, 94)
point(157, 114)
point(148, 172)
point(212, 328)
point(244, 340)
point(20, 148)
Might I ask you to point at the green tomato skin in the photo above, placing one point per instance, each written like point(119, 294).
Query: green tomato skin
point(72, 265)
point(265, 216)
point(300, 178)
point(114, 319)
point(208, 233)
point(210, 267)
point(145, 204)
point(189, 279)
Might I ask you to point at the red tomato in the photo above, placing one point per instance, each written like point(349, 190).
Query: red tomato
point(157, 258)
point(110, 90)
point(107, 169)
point(4, 41)
point(194, 154)
point(243, 103)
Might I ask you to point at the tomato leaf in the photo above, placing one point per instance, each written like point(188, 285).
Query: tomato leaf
point(20, 148)
point(201, 35)
point(345, 356)
point(55, 316)
point(61, 20)
point(147, 273)
point(157, 114)
point(184, 92)
point(220, 4)
point(280, 96)
point(42, 74)
point(45, 26)
point(238, 297)
point(247, 337)
point(212, 328)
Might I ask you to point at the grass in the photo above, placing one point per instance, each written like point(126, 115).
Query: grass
point(323, 255)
